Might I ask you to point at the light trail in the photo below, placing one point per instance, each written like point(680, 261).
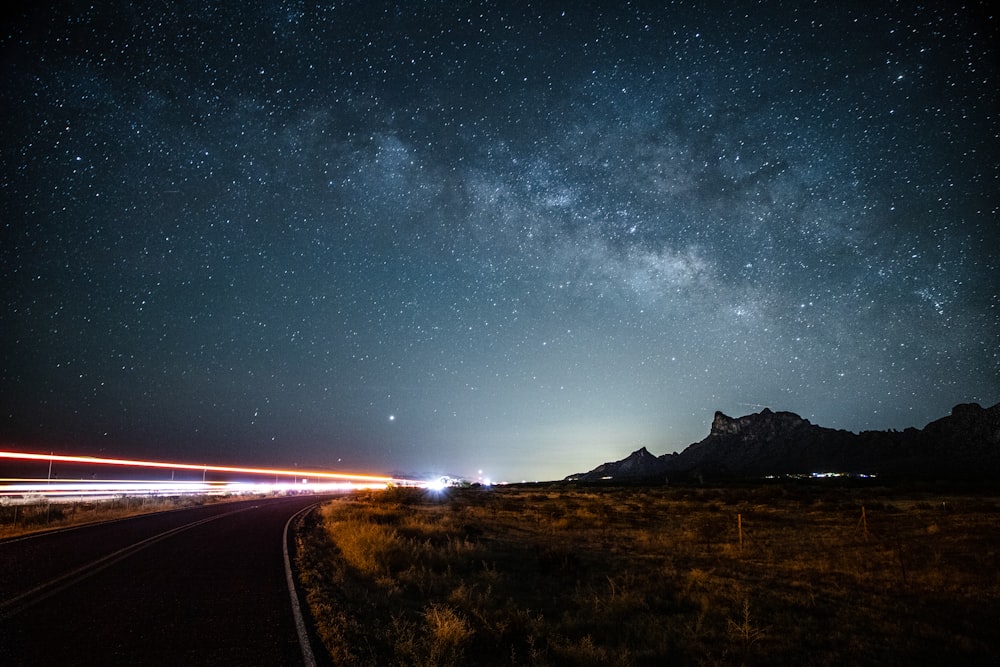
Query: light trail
point(19, 490)
point(24, 491)
point(318, 474)
point(29, 487)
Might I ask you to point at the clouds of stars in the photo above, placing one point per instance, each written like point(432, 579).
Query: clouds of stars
point(527, 239)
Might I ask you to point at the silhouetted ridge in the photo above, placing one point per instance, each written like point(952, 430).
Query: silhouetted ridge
point(638, 464)
point(965, 444)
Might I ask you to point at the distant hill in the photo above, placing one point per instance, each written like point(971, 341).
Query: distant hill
point(965, 444)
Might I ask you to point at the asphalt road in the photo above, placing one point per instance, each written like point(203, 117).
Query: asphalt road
point(201, 586)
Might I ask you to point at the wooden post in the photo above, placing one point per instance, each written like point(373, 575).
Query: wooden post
point(863, 523)
point(739, 526)
point(899, 552)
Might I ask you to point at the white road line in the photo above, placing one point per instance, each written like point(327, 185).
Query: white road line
point(308, 658)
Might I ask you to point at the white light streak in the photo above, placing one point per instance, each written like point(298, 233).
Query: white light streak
point(280, 480)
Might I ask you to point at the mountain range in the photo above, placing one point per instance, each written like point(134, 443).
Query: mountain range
point(964, 444)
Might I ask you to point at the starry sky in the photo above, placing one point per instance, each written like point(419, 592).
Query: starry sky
point(517, 238)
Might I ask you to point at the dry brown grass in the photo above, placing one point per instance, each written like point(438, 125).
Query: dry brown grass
point(578, 576)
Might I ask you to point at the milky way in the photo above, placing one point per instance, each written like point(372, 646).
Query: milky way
point(521, 239)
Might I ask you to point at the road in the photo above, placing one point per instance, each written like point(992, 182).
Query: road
point(206, 585)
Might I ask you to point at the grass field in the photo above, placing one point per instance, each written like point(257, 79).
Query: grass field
point(564, 575)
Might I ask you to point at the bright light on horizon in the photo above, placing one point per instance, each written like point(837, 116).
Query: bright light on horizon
point(438, 484)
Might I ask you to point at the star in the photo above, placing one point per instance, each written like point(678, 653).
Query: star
point(542, 238)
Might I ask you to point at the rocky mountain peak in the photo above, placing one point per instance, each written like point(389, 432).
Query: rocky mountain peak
point(964, 444)
point(764, 421)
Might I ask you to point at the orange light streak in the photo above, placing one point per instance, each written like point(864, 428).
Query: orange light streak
point(25, 456)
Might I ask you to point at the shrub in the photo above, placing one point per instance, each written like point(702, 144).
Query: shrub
point(370, 548)
point(657, 576)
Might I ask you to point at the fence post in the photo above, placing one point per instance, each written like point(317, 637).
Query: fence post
point(739, 526)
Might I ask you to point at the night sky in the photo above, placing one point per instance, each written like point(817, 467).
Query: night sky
point(521, 238)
